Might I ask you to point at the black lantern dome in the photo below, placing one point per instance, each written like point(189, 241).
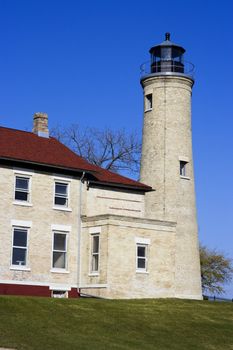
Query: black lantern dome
point(167, 57)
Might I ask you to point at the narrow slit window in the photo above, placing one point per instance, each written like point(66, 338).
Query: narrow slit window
point(141, 257)
point(183, 168)
point(95, 254)
point(148, 102)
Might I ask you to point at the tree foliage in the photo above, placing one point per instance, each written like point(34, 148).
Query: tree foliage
point(117, 151)
point(216, 270)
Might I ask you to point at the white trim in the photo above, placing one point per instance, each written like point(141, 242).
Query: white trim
point(63, 228)
point(35, 283)
point(23, 203)
point(19, 268)
point(21, 223)
point(185, 177)
point(98, 285)
point(59, 287)
point(93, 274)
point(142, 271)
point(140, 240)
point(184, 159)
point(60, 207)
point(96, 229)
point(61, 178)
point(54, 270)
point(23, 172)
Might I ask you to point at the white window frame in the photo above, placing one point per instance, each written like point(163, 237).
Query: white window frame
point(184, 171)
point(148, 102)
point(63, 182)
point(94, 231)
point(19, 266)
point(24, 175)
point(55, 269)
point(142, 242)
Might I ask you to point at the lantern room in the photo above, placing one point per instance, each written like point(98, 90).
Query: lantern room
point(167, 57)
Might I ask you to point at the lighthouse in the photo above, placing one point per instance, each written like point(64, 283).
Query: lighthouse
point(167, 160)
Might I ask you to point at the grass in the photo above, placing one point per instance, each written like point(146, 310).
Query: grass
point(41, 323)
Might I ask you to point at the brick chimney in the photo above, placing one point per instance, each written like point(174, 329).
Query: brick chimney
point(40, 124)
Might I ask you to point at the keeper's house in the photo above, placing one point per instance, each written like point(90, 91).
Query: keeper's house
point(67, 226)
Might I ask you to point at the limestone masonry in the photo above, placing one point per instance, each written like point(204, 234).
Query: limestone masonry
point(69, 228)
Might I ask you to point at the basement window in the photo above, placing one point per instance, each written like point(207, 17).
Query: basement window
point(59, 294)
point(148, 102)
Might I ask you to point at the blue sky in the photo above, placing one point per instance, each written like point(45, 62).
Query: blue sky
point(79, 62)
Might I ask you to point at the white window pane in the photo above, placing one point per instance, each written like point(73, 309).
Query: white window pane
point(20, 238)
point(59, 260)
point(95, 262)
point(19, 256)
point(59, 241)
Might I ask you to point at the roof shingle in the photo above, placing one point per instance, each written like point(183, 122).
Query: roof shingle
point(28, 147)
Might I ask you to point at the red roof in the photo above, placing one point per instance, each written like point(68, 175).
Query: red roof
point(28, 147)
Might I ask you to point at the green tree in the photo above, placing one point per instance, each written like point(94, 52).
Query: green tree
point(216, 270)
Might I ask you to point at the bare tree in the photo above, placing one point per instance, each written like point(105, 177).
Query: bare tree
point(115, 150)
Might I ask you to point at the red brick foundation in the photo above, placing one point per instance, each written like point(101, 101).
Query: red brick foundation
point(29, 290)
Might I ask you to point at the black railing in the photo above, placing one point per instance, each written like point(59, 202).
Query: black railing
point(166, 67)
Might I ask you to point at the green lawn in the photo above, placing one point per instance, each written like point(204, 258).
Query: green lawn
point(41, 323)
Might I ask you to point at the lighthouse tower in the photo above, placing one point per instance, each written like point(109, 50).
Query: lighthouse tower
point(167, 161)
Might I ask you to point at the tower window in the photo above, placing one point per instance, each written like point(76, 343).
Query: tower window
point(148, 102)
point(183, 168)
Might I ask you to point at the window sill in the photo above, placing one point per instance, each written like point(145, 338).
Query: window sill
point(22, 203)
point(142, 271)
point(59, 271)
point(185, 177)
point(93, 274)
point(20, 268)
point(148, 110)
point(62, 208)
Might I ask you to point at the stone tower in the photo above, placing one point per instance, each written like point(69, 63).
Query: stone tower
point(167, 161)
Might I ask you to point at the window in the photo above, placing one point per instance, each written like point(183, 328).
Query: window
point(141, 257)
point(183, 168)
point(19, 248)
point(95, 253)
point(61, 194)
point(59, 294)
point(148, 102)
point(22, 188)
point(59, 250)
